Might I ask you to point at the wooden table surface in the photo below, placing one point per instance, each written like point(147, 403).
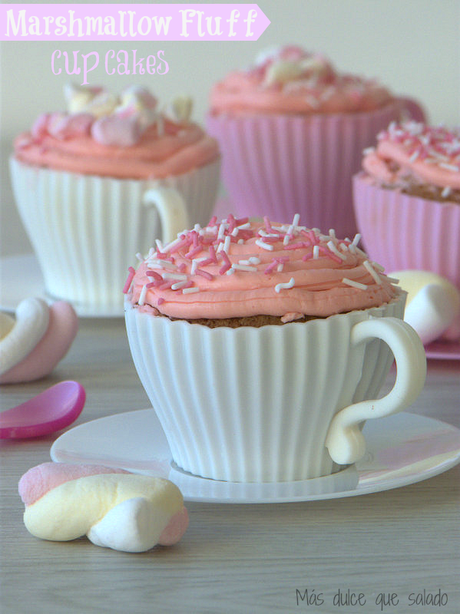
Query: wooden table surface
point(390, 546)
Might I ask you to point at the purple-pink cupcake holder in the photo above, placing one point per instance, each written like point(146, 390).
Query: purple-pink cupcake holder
point(279, 165)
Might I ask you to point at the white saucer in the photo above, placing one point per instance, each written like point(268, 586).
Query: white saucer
point(402, 449)
point(21, 277)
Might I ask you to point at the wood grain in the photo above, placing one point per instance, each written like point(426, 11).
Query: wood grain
point(233, 558)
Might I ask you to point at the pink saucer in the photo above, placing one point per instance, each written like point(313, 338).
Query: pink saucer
point(443, 350)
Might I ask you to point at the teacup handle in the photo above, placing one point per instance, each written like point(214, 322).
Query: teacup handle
point(412, 109)
point(171, 209)
point(345, 441)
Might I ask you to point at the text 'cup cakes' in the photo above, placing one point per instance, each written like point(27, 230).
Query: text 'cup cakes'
point(407, 201)
point(101, 179)
point(291, 130)
point(260, 344)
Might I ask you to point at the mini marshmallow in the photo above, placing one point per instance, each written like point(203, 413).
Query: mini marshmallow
point(432, 306)
point(32, 343)
point(112, 507)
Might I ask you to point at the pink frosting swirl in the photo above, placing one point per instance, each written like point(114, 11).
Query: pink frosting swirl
point(125, 139)
point(294, 81)
point(240, 268)
point(412, 152)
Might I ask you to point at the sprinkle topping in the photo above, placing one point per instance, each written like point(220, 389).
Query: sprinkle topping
point(211, 272)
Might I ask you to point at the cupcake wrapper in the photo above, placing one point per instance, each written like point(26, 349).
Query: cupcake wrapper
point(255, 404)
point(403, 232)
point(282, 165)
point(86, 230)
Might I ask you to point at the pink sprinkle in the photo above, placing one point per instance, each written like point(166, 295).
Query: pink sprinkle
point(188, 284)
point(296, 245)
point(212, 254)
point(213, 220)
point(151, 284)
point(204, 274)
point(243, 220)
point(184, 243)
point(268, 226)
point(182, 266)
point(307, 256)
point(231, 222)
point(129, 280)
point(193, 252)
point(271, 266)
point(167, 284)
point(227, 264)
point(161, 301)
point(153, 274)
point(326, 252)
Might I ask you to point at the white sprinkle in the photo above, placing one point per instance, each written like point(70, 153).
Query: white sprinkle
point(446, 192)
point(163, 264)
point(226, 244)
point(286, 239)
point(174, 276)
point(332, 233)
point(235, 232)
point(179, 285)
point(211, 229)
point(285, 286)
point(263, 245)
point(167, 247)
point(195, 263)
point(142, 296)
point(197, 228)
point(356, 239)
point(450, 167)
point(355, 284)
point(244, 267)
point(220, 247)
point(190, 290)
point(280, 267)
point(393, 280)
point(159, 245)
point(415, 155)
point(151, 254)
point(230, 271)
point(296, 219)
point(263, 233)
point(312, 101)
point(254, 260)
point(315, 252)
point(220, 234)
point(244, 226)
point(368, 151)
point(377, 266)
point(334, 250)
point(140, 257)
point(374, 274)
point(343, 247)
point(240, 241)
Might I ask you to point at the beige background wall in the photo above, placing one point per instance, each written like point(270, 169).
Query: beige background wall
point(413, 46)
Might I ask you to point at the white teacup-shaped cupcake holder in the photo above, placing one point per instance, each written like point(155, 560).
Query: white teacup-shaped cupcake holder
point(275, 403)
point(85, 229)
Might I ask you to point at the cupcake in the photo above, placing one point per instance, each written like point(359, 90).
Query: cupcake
point(291, 130)
point(101, 179)
point(407, 201)
point(237, 331)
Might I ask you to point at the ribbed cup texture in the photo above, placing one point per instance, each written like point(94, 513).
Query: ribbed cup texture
point(86, 230)
point(280, 165)
point(402, 232)
point(255, 404)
